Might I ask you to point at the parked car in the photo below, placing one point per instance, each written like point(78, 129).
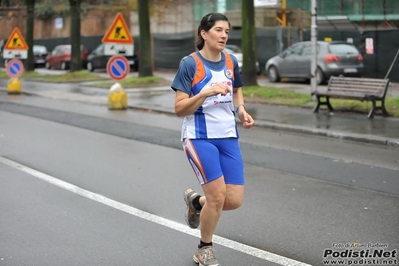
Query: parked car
point(98, 60)
point(39, 54)
point(60, 57)
point(333, 59)
point(2, 61)
point(237, 53)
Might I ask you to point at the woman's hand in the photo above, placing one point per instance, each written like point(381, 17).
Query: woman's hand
point(218, 88)
point(245, 118)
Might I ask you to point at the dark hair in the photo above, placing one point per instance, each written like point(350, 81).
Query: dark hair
point(207, 22)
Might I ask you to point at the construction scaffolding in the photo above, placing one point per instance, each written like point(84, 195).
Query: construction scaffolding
point(376, 14)
point(337, 7)
point(366, 8)
point(372, 14)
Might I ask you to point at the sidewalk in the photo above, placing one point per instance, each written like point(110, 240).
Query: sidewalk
point(340, 125)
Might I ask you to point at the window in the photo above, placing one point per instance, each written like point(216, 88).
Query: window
point(39, 49)
point(343, 49)
point(233, 48)
point(294, 50)
point(307, 50)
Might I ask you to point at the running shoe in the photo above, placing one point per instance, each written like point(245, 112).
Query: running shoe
point(205, 257)
point(192, 215)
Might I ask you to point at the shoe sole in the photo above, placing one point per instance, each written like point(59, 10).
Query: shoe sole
point(185, 195)
point(186, 213)
point(196, 260)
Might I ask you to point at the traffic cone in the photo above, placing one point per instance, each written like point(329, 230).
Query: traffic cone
point(14, 86)
point(117, 98)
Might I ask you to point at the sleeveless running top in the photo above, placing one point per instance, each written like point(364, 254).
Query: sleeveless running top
point(215, 118)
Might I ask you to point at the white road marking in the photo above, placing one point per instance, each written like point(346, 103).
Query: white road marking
point(268, 256)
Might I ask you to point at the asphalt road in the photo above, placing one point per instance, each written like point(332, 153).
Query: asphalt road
point(82, 185)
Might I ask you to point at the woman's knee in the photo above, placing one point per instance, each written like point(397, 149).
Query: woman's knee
point(234, 197)
point(217, 200)
point(215, 193)
point(232, 203)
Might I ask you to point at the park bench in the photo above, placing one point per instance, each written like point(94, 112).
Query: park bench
point(363, 89)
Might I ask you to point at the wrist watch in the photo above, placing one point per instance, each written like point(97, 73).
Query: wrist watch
point(238, 106)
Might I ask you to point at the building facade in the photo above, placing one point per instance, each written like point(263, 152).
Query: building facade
point(366, 14)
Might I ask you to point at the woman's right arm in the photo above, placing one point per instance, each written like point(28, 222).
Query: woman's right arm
point(186, 105)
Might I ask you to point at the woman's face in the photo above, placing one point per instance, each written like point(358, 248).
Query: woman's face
point(216, 38)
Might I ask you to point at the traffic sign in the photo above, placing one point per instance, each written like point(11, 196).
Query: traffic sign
point(118, 67)
point(369, 46)
point(118, 32)
point(15, 68)
point(16, 41)
point(10, 54)
point(58, 23)
point(121, 49)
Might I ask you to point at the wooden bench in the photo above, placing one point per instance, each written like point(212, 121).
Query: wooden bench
point(363, 89)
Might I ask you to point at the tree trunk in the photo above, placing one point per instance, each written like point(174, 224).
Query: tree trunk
point(30, 20)
point(248, 71)
point(145, 60)
point(76, 60)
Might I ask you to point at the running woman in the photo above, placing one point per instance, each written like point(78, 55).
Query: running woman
point(209, 97)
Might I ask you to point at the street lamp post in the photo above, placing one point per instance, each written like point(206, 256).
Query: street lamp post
point(313, 68)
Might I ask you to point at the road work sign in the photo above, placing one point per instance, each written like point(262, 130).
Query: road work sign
point(16, 46)
point(118, 39)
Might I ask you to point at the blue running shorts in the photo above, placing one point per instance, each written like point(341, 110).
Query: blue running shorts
point(213, 158)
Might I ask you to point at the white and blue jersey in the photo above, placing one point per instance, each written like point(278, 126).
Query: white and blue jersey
point(215, 118)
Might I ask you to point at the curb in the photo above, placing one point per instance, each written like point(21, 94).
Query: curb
point(371, 139)
point(332, 134)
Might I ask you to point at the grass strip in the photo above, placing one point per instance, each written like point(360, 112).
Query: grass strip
point(267, 95)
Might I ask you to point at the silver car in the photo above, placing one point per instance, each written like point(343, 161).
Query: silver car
point(237, 52)
point(333, 59)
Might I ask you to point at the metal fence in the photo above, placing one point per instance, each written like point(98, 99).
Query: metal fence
point(170, 48)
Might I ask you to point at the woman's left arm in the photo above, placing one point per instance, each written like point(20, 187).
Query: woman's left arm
point(238, 100)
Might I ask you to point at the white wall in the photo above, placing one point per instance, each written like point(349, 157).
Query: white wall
point(174, 18)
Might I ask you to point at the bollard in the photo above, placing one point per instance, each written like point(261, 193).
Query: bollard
point(14, 86)
point(117, 98)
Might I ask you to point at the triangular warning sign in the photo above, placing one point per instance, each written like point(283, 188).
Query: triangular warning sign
point(16, 41)
point(118, 32)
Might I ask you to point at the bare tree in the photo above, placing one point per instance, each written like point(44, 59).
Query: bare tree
point(30, 20)
point(248, 43)
point(145, 60)
point(76, 60)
